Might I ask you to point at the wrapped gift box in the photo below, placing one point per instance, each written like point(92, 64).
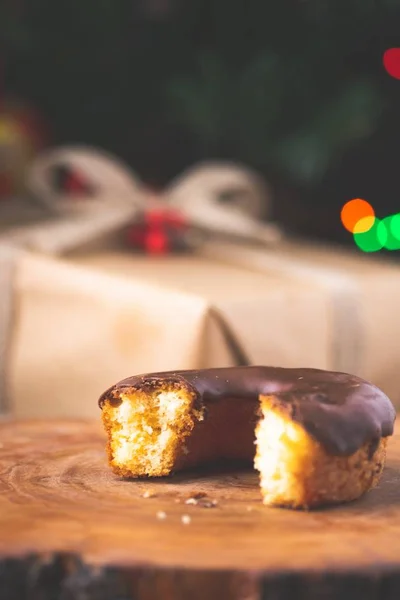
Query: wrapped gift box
point(79, 325)
point(81, 322)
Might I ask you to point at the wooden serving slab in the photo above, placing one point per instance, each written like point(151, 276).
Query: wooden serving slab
point(71, 530)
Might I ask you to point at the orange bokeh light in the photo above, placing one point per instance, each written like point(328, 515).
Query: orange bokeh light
point(357, 210)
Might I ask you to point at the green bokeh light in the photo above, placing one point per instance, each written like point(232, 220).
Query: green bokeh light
point(374, 239)
point(384, 233)
point(395, 226)
point(389, 232)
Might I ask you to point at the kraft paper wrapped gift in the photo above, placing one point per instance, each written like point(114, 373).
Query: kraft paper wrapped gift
point(314, 305)
point(82, 322)
point(80, 325)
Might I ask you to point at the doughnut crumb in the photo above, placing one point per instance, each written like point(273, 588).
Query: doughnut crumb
point(297, 472)
point(148, 494)
point(146, 428)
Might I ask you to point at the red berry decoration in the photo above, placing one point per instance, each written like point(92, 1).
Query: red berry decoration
point(158, 231)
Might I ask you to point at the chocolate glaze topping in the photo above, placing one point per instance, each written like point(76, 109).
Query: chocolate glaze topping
point(341, 411)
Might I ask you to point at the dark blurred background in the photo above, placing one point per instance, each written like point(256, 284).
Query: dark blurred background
point(294, 88)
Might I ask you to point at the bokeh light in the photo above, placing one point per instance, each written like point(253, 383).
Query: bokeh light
point(391, 62)
point(364, 224)
point(395, 226)
point(374, 239)
point(358, 216)
point(388, 228)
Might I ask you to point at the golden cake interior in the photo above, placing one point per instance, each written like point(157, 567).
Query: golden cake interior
point(146, 430)
point(295, 469)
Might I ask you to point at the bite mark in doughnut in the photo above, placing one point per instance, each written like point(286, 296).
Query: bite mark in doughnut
point(320, 436)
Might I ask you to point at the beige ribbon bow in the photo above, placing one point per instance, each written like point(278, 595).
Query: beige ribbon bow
point(218, 198)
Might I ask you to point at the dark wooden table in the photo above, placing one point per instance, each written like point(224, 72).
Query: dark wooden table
point(71, 530)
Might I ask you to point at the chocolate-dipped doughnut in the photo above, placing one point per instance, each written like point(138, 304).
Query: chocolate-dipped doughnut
point(320, 436)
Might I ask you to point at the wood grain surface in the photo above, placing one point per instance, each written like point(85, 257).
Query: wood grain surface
point(71, 530)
